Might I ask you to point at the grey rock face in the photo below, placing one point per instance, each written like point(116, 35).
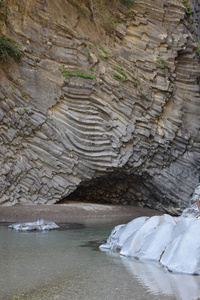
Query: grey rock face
point(134, 125)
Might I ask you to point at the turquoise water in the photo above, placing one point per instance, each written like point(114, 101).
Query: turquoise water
point(65, 264)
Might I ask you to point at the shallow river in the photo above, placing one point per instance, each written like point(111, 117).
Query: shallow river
point(65, 264)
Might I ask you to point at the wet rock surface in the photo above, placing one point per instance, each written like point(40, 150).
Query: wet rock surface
point(135, 122)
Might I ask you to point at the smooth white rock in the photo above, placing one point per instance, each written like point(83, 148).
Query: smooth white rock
point(133, 244)
point(183, 254)
point(152, 249)
point(121, 233)
point(173, 242)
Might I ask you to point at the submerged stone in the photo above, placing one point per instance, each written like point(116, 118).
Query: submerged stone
point(39, 225)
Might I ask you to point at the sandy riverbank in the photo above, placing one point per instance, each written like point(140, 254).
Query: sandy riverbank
point(73, 212)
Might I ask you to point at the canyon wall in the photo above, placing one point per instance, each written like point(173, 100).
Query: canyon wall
point(104, 105)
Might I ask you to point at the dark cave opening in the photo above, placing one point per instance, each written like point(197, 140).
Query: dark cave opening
point(115, 188)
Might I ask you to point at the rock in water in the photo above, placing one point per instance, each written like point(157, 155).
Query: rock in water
point(39, 225)
point(174, 242)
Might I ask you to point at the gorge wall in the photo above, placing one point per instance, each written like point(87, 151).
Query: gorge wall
point(104, 105)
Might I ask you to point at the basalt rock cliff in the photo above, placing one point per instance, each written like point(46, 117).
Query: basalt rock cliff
point(104, 105)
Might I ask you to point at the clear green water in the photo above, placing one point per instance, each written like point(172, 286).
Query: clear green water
point(62, 264)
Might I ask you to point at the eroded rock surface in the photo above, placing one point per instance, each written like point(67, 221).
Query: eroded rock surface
point(139, 116)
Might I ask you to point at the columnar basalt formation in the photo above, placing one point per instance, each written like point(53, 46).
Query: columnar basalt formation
point(127, 110)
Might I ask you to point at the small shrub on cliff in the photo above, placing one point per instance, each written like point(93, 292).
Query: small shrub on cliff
point(107, 55)
point(128, 2)
point(162, 62)
point(188, 6)
point(117, 76)
point(198, 48)
point(120, 71)
point(123, 78)
point(9, 48)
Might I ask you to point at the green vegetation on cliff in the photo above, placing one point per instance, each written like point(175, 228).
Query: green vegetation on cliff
point(104, 13)
point(128, 2)
point(78, 74)
point(9, 48)
point(188, 6)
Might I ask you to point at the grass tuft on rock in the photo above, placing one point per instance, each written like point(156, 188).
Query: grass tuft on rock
point(188, 6)
point(78, 74)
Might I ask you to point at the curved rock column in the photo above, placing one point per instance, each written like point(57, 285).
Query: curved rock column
point(135, 118)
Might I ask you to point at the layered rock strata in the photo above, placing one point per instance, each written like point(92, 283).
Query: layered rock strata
point(127, 110)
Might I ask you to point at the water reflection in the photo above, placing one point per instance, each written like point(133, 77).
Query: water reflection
point(158, 280)
point(55, 265)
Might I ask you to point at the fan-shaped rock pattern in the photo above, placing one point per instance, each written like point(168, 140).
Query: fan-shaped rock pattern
point(135, 119)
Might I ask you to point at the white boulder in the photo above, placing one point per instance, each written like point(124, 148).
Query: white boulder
point(174, 242)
